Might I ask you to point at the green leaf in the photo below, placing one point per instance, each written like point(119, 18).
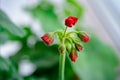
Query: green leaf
point(97, 62)
point(3, 37)
point(45, 58)
point(44, 13)
point(5, 23)
point(73, 7)
point(41, 55)
point(8, 71)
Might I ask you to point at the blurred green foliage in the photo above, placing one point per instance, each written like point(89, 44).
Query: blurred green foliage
point(8, 71)
point(97, 62)
point(8, 25)
point(44, 13)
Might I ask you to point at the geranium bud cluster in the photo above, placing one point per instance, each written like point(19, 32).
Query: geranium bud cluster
point(70, 42)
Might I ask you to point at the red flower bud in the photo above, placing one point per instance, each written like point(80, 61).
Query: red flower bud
point(84, 37)
point(73, 56)
point(47, 38)
point(79, 47)
point(70, 21)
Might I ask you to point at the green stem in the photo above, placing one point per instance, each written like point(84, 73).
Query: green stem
point(72, 32)
point(64, 31)
point(62, 60)
point(61, 66)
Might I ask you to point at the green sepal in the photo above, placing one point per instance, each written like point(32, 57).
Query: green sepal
point(59, 34)
point(68, 46)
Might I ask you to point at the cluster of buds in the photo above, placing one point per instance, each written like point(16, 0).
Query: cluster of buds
point(70, 42)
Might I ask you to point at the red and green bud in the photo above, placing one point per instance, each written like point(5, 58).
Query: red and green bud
point(73, 55)
point(70, 21)
point(62, 49)
point(84, 37)
point(48, 38)
point(79, 47)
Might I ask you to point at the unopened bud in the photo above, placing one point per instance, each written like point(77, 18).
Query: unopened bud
point(73, 56)
point(79, 47)
point(84, 37)
point(68, 46)
point(48, 38)
point(62, 49)
point(70, 21)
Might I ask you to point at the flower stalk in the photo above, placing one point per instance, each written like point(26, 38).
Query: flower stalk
point(70, 43)
point(64, 31)
point(62, 59)
point(62, 66)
